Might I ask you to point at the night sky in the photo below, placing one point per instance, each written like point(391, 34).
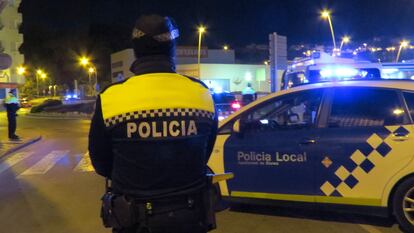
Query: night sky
point(56, 31)
point(238, 22)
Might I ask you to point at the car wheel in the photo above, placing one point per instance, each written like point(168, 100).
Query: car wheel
point(403, 205)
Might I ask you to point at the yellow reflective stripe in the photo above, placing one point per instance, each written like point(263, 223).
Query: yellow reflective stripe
point(349, 201)
point(274, 196)
point(309, 198)
point(155, 91)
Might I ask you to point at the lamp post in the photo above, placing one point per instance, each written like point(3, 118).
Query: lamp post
point(201, 31)
point(403, 44)
point(42, 75)
point(327, 15)
point(345, 40)
point(92, 70)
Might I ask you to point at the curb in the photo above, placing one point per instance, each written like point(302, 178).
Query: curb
point(20, 146)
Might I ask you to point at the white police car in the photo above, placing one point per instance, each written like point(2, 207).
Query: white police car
point(349, 143)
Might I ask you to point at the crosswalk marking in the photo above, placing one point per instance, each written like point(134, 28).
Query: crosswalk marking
point(85, 165)
point(46, 163)
point(14, 159)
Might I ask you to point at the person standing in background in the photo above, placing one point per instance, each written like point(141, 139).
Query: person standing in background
point(12, 106)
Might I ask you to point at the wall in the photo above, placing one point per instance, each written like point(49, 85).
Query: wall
point(11, 40)
point(238, 75)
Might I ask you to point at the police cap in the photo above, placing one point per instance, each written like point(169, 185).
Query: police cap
point(154, 35)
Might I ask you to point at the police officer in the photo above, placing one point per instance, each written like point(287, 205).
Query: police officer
point(152, 135)
point(12, 105)
point(248, 94)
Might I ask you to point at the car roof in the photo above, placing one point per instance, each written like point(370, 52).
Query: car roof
point(407, 85)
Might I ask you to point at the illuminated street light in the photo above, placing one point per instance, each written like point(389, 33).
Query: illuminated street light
point(345, 40)
point(91, 70)
point(39, 74)
point(403, 44)
point(84, 61)
point(327, 15)
point(201, 31)
point(21, 70)
point(225, 47)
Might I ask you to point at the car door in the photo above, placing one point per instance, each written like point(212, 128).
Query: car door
point(361, 145)
point(267, 156)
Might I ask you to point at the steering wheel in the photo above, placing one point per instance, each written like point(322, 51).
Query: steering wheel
point(273, 124)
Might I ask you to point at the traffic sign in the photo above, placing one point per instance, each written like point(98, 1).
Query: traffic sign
point(5, 61)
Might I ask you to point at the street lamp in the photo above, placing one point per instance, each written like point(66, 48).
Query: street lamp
point(327, 15)
point(84, 61)
point(403, 44)
point(225, 47)
point(21, 70)
point(345, 40)
point(92, 70)
point(42, 75)
point(201, 31)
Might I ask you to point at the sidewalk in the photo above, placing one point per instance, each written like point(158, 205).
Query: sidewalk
point(6, 146)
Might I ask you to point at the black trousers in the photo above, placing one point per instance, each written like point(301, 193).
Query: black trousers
point(11, 118)
point(186, 220)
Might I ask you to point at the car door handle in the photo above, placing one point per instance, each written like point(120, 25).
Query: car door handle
point(400, 137)
point(307, 141)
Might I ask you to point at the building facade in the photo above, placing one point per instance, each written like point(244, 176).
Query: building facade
point(217, 69)
point(10, 41)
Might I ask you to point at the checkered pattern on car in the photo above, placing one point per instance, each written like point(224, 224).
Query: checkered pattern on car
point(363, 160)
point(167, 112)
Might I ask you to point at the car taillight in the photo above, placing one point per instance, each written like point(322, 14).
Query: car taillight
point(235, 105)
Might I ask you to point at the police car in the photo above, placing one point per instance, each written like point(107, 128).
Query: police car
point(349, 143)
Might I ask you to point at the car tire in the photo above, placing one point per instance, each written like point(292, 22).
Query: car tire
point(403, 205)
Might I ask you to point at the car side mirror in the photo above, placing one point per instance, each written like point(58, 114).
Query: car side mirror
point(239, 127)
point(236, 127)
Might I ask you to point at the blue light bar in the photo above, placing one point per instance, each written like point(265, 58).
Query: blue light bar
point(338, 72)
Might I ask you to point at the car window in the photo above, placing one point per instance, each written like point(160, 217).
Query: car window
point(365, 107)
point(293, 111)
point(409, 99)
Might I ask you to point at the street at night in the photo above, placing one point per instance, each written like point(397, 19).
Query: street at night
point(50, 187)
point(195, 116)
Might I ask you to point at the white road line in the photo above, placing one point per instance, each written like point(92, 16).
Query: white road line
point(85, 165)
point(46, 163)
point(14, 159)
point(369, 228)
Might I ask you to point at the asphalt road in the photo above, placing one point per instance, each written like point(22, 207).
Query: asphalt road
point(50, 187)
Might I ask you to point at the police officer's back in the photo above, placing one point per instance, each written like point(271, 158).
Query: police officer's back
point(153, 133)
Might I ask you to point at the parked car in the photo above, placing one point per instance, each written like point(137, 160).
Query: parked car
point(24, 103)
point(226, 104)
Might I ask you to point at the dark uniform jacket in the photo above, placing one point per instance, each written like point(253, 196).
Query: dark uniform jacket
point(153, 133)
